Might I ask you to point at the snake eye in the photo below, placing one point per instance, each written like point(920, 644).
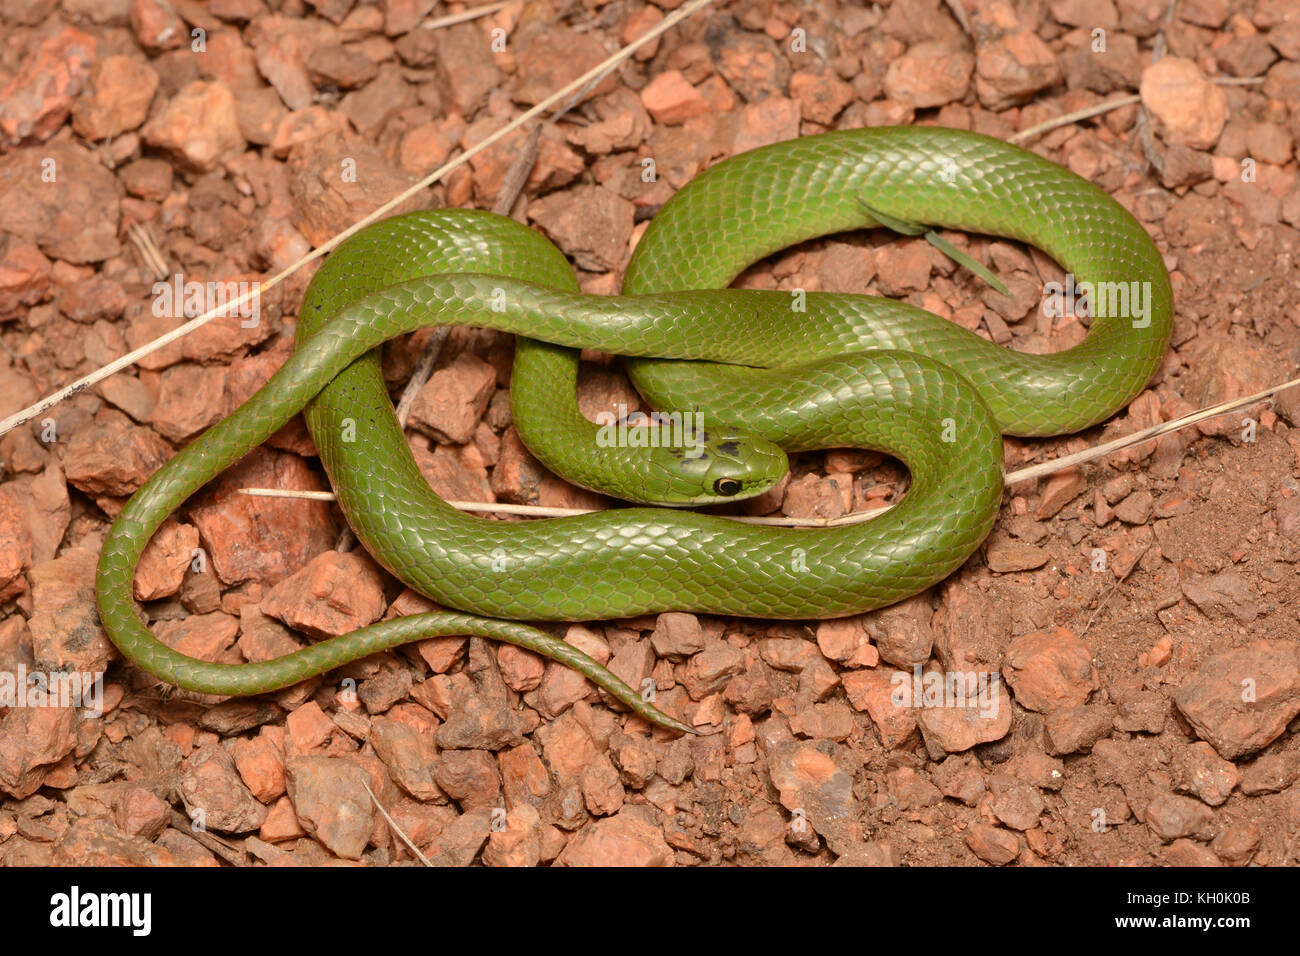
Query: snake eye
point(727, 487)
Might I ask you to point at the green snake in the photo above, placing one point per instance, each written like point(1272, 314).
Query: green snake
point(798, 370)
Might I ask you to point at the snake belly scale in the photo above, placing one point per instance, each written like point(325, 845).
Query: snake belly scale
point(845, 371)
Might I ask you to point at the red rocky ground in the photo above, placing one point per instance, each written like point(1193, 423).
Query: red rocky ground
point(1121, 736)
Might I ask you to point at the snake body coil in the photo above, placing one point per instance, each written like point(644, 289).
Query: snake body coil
point(839, 370)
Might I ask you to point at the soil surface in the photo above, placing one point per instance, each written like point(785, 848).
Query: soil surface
point(1132, 624)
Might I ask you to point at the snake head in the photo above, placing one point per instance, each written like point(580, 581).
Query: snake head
point(717, 465)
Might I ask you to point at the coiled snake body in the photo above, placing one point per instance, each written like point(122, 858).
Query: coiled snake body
point(836, 370)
